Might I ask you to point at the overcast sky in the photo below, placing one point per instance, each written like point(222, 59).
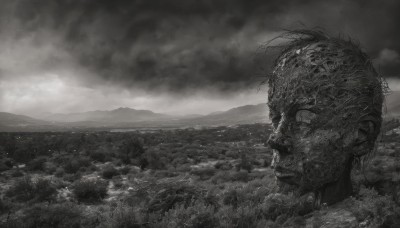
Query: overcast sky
point(177, 57)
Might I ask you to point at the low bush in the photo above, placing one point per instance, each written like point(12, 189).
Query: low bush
point(17, 173)
point(4, 206)
point(90, 190)
point(3, 167)
point(152, 160)
point(50, 167)
point(71, 177)
point(179, 193)
point(123, 216)
point(74, 164)
point(100, 156)
point(371, 206)
point(242, 176)
point(204, 173)
point(24, 189)
point(225, 165)
point(48, 216)
point(59, 172)
point(37, 164)
point(198, 215)
point(125, 170)
point(165, 174)
point(109, 171)
point(232, 197)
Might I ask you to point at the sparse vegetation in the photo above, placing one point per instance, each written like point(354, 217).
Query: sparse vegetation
point(25, 189)
point(109, 171)
point(90, 190)
point(180, 178)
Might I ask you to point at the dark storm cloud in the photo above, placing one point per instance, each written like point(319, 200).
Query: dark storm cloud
point(181, 45)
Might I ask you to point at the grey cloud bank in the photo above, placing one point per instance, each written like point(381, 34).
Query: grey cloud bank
point(180, 56)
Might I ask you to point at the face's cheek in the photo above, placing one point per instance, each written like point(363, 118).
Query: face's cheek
point(324, 158)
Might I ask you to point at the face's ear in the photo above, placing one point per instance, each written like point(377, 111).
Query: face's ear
point(363, 139)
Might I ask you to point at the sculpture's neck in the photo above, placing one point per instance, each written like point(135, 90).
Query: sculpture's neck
point(339, 190)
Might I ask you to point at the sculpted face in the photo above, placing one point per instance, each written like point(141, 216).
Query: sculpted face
point(325, 107)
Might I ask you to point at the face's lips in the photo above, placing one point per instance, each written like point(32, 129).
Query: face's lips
point(286, 175)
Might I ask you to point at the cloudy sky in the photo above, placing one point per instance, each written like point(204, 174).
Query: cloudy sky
point(177, 57)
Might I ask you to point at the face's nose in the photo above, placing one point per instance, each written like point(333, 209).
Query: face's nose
point(280, 139)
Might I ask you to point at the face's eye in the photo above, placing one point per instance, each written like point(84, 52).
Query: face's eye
point(305, 116)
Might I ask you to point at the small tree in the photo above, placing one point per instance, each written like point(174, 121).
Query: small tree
point(131, 148)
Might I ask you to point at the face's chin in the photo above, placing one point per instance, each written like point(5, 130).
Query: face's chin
point(287, 180)
point(285, 187)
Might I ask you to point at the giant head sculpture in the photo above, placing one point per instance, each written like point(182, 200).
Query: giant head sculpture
point(325, 100)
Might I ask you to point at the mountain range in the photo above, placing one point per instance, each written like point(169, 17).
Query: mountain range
point(131, 118)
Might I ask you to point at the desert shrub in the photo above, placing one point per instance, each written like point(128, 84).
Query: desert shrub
point(93, 168)
point(277, 204)
point(99, 155)
point(59, 172)
point(50, 167)
point(71, 177)
point(117, 182)
point(3, 167)
point(242, 176)
point(37, 164)
point(123, 216)
point(153, 160)
point(244, 163)
point(372, 206)
point(165, 173)
point(109, 171)
point(225, 165)
point(241, 217)
point(232, 197)
point(125, 170)
point(165, 196)
point(5, 206)
point(204, 173)
point(22, 189)
point(221, 177)
point(48, 216)
point(197, 215)
point(17, 173)
point(131, 148)
point(74, 164)
point(90, 190)
point(25, 189)
point(44, 190)
point(232, 154)
point(143, 163)
point(266, 162)
point(8, 162)
point(392, 220)
point(183, 168)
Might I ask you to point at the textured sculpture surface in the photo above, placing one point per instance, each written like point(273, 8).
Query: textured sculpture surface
point(325, 100)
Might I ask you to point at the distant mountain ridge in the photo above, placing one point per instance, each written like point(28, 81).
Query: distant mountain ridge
point(14, 119)
point(131, 118)
point(112, 116)
point(240, 115)
point(12, 122)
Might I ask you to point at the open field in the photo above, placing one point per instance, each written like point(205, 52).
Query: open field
point(213, 177)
